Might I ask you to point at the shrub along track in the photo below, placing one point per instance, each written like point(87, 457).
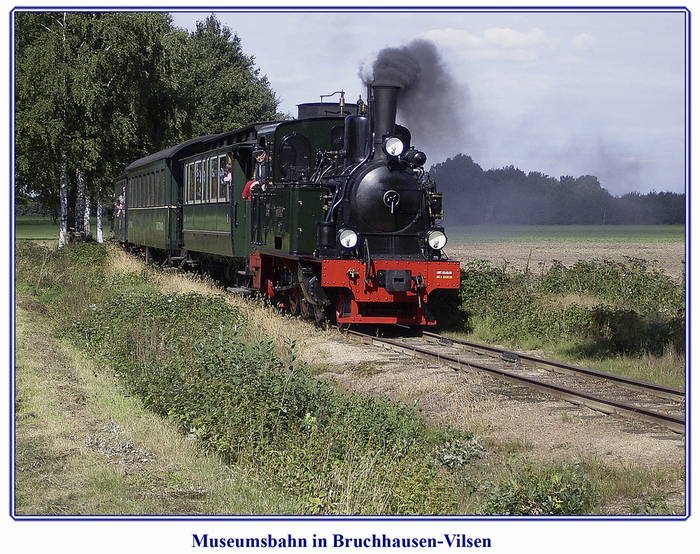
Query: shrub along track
point(599, 391)
point(604, 392)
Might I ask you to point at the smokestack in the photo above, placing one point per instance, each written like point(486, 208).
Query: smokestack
point(433, 104)
point(384, 102)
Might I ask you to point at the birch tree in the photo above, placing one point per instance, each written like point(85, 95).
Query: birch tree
point(44, 104)
point(89, 98)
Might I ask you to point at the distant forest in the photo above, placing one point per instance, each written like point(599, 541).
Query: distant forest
point(511, 196)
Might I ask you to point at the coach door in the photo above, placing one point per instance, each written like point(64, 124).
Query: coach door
point(240, 211)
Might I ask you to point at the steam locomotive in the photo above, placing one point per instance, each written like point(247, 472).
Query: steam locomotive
point(346, 228)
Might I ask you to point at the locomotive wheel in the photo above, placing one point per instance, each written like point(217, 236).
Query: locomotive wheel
point(305, 308)
point(294, 302)
point(319, 314)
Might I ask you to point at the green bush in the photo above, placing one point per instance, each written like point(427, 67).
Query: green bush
point(631, 284)
point(550, 490)
point(637, 309)
point(183, 354)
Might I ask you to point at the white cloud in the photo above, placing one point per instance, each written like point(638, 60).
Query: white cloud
point(505, 37)
point(495, 43)
point(582, 41)
point(453, 38)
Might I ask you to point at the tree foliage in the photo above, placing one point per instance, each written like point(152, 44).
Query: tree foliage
point(100, 89)
point(509, 195)
point(216, 86)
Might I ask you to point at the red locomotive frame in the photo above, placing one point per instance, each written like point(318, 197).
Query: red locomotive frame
point(357, 297)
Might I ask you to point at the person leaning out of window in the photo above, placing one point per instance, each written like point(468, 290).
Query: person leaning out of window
point(260, 175)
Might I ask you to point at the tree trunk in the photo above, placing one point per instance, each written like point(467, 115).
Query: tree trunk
point(63, 194)
point(86, 217)
point(79, 202)
point(99, 209)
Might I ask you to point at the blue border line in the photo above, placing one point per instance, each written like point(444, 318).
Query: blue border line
point(363, 9)
point(11, 223)
point(351, 9)
point(688, 269)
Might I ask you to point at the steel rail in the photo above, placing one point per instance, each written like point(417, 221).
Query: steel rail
point(604, 405)
point(645, 386)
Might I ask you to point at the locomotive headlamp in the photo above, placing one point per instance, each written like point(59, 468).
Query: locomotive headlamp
point(419, 158)
point(393, 146)
point(347, 238)
point(436, 239)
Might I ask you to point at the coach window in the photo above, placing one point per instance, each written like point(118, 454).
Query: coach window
point(189, 183)
point(139, 190)
point(205, 181)
point(152, 189)
point(223, 184)
point(214, 180)
point(191, 179)
point(156, 189)
point(159, 189)
point(202, 188)
point(160, 197)
point(186, 184)
point(205, 188)
point(197, 181)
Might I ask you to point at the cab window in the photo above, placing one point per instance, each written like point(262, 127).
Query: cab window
point(295, 158)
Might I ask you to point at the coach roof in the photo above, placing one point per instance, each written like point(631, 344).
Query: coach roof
point(171, 152)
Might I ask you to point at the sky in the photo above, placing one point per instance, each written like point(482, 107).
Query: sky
point(563, 94)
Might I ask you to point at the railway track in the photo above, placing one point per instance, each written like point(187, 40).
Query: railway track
point(603, 392)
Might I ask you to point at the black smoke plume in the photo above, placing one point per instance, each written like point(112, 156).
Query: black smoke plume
point(432, 104)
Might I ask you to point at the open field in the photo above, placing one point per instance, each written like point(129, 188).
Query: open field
point(42, 228)
point(567, 233)
point(521, 246)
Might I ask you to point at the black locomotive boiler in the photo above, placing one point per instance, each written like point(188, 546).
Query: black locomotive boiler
point(331, 214)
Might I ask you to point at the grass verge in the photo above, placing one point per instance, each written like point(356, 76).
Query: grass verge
point(85, 447)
